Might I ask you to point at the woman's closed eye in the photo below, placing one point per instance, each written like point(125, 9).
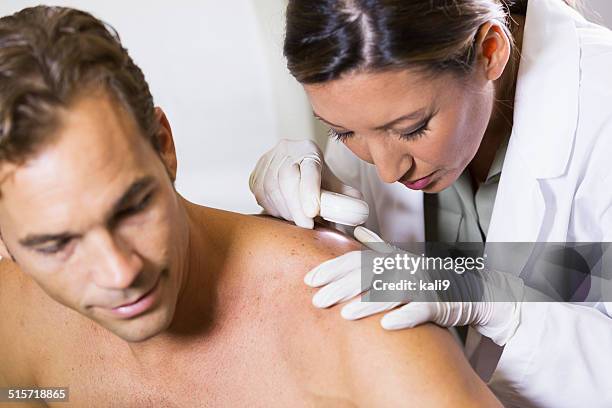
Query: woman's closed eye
point(408, 135)
point(414, 134)
point(339, 136)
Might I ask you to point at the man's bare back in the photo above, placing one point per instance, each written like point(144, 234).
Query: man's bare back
point(252, 339)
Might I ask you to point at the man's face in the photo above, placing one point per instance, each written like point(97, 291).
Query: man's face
point(94, 219)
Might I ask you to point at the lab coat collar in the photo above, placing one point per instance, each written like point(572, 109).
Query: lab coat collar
point(498, 162)
point(546, 99)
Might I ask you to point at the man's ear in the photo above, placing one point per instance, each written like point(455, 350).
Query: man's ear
point(165, 142)
point(6, 170)
point(493, 49)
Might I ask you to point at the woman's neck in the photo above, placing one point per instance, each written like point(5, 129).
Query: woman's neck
point(500, 125)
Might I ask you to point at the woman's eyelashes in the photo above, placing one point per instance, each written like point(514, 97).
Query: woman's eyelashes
point(339, 136)
point(409, 135)
point(415, 134)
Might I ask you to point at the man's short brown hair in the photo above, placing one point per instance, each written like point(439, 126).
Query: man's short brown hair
point(48, 56)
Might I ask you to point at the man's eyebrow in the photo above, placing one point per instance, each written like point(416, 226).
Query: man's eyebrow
point(133, 191)
point(409, 116)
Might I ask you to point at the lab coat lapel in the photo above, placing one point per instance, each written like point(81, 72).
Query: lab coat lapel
point(545, 121)
point(544, 127)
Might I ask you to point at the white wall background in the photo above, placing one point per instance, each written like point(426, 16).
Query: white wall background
point(216, 67)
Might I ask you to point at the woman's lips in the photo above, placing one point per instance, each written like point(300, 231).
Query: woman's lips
point(418, 184)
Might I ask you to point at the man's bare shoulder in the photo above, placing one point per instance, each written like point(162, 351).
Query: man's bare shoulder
point(25, 306)
point(352, 360)
point(274, 247)
point(15, 293)
point(14, 303)
point(310, 246)
point(423, 366)
point(34, 328)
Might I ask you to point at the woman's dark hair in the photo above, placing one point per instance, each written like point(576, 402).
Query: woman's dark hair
point(328, 38)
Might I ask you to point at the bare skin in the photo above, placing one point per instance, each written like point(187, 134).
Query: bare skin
point(231, 324)
point(252, 338)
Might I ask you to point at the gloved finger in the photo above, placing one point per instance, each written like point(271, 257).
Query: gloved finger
point(338, 291)
point(278, 203)
point(372, 240)
point(410, 315)
point(359, 309)
point(310, 185)
point(333, 269)
point(270, 209)
point(261, 197)
point(289, 182)
point(253, 180)
point(257, 176)
point(263, 200)
point(272, 191)
point(263, 181)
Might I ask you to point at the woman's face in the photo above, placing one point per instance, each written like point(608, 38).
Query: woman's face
point(418, 130)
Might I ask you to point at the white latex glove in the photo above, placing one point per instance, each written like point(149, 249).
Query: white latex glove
point(341, 278)
point(287, 181)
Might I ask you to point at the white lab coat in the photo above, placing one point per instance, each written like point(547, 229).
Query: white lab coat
point(556, 186)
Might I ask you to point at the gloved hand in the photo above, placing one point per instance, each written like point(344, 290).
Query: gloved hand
point(341, 278)
point(287, 181)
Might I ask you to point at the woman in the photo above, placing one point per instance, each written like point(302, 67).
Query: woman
point(498, 112)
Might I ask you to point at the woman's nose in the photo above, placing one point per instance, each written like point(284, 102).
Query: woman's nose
point(391, 160)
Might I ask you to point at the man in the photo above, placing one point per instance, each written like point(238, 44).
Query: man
point(131, 296)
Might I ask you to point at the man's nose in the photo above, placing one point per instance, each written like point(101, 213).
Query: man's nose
point(115, 264)
point(390, 159)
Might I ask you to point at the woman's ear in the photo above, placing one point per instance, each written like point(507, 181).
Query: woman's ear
point(165, 142)
point(493, 49)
